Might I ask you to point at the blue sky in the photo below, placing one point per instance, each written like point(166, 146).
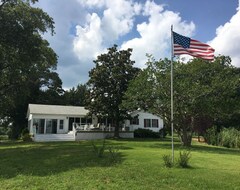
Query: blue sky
point(86, 28)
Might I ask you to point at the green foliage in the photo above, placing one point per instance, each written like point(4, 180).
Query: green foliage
point(114, 154)
point(183, 160)
point(163, 132)
point(212, 136)
point(230, 138)
point(3, 131)
point(10, 133)
point(204, 94)
point(99, 150)
point(25, 131)
point(145, 133)
point(107, 84)
point(71, 165)
point(27, 137)
point(76, 96)
point(27, 62)
point(167, 160)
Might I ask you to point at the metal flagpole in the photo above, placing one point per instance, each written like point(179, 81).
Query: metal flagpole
point(172, 55)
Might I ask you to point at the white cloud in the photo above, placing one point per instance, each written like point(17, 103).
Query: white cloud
point(118, 18)
point(155, 34)
point(92, 3)
point(97, 33)
point(88, 27)
point(227, 39)
point(88, 40)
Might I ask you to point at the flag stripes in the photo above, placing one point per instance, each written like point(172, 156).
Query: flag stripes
point(185, 45)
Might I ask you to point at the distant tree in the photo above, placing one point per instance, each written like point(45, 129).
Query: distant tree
point(202, 91)
point(107, 84)
point(27, 63)
point(76, 96)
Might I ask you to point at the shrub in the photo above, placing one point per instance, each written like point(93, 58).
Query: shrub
point(10, 133)
point(167, 160)
point(146, 133)
point(230, 138)
point(212, 136)
point(24, 131)
point(183, 160)
point(99, 151)
point(163, 132)
point(114, 155)
point(26, 137)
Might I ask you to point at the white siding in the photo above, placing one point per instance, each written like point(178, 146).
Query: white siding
point(141, 116)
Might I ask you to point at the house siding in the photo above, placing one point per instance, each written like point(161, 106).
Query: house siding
point(144, 115)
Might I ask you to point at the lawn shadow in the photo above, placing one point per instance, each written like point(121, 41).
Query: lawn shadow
point(197, 147)
point(43, 159)
point(214, 149)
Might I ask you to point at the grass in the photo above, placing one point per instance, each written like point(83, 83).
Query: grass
point(74, 165)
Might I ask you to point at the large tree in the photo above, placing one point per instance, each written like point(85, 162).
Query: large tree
point(76, 96)
point(203, 93)
point(27, 63)
point(107, 84)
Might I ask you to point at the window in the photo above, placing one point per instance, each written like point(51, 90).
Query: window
point(147, 122)
point(151, 123)
point(51, 126)
point(61, 124)
point(155, 123)
point(38, 124)
point(134, 121)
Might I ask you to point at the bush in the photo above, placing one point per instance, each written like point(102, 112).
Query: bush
point(163, 132)
point(167, 160)
point(26, 137)
point(183, 160)
point(145, 133)
point(212, 136)
point(10, 133)
point(99, 151)
point(230, 138)
point(24, 131)
point(114, 155)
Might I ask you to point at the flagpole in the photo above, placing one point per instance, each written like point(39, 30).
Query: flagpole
point(172, 55)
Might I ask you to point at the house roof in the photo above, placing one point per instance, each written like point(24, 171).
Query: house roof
point(56, 110)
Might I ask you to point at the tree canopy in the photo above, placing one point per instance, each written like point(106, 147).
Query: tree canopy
point(27, 63)
point(204, 93)
point(108, 82)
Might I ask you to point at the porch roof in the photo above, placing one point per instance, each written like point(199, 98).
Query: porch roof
point(56, 110)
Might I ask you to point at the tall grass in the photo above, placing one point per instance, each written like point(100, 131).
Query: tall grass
point(230, 138)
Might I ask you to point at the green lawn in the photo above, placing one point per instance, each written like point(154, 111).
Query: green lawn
point(73, 165)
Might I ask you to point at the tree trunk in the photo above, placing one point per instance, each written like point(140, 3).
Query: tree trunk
point(116, 126)
point(187, 132)
point(186, 138)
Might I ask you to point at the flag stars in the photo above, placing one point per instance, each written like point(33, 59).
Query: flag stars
point(181, 40)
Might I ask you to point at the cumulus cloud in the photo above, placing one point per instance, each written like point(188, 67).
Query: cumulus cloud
point(88, 40)
point(155, 33)
point(227, 39)
point(99, 32)
point(88, 27)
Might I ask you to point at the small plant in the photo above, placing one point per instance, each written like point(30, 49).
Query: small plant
point(183, 160)
point(114, 156)
point(27, 138)
point(145, 133)
point(99, 151)
point(24, 131)
point(167, 159)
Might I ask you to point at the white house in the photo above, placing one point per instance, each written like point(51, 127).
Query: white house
point(144, 120)
point(66, 123)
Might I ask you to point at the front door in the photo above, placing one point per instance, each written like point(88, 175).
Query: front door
point(70, 123)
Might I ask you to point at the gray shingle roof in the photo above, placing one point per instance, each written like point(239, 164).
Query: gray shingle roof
point(56, 110)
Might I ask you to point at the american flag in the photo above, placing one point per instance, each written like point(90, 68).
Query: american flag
point(185, 45)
